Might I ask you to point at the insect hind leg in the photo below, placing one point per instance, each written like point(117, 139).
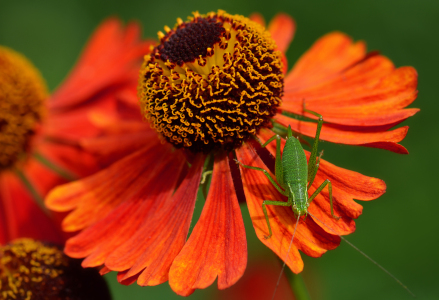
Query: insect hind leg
point(264, 209)
point(320, 188)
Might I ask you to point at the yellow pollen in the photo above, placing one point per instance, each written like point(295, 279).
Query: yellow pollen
point(31, 269)
point(26, 262)
point(22, 99)
point(213, 81)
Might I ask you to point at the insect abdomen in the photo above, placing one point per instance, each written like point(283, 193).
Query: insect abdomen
point(295, 167)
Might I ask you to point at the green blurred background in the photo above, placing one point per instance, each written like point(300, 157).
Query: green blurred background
point(399, 230)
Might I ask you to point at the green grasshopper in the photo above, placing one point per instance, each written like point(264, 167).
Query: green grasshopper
point(294, 175)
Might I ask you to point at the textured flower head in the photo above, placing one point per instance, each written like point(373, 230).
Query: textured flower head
point(33, 270)
point(212, 82)
point(22, 106)
point(212, 86)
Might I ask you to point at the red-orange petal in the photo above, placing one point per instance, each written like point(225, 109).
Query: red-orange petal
point(110, 148)
point(217, 245)
point(258, 18)
point(370, 93)
point(109, 55)
point(74, 160)
point(20, 216)
point(118, 231)
point(330, 55)
point(102, 192)
point(282, 28)
point(350, 136)
point(309, 237)
point(148, 255)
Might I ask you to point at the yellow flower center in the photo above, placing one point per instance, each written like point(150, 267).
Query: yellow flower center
point(212, 82)
point(33, 270)
point(22, 96)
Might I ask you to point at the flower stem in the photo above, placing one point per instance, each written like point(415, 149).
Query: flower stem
point(297, 285)
point(57, 169)
point(31, 189)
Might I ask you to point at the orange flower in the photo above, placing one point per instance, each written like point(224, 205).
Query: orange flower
point(213, 84)
point(38, 138)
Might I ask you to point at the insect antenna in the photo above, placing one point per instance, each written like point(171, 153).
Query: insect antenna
point(286, 257)
point(368, 257)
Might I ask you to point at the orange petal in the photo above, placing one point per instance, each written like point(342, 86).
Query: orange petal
point(348, 135)
point(20, 215)
point(282, 28)
point(72, 159)
point(217, 245)
point(104, 271)
point(110, 148)
point(309, 237)
point(258, 18)
point(148, 255)
point(102, 191)
point(371, 93)
point(330, 55)
point(127, 220)
point(111, 52)
point(74, 123)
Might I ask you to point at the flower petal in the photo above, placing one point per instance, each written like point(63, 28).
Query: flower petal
point(282, 28)
point(217, 245)
point(118, 232)
point(20, 215)
point(102, 191)
point(107, 59)
point(370, 93)
point(258, 18)
point(330, 55)
point(350, 135)
point(162, 235)
point(309, 237)
point(110, 148)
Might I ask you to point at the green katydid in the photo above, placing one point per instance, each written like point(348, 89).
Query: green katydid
point(294, 176)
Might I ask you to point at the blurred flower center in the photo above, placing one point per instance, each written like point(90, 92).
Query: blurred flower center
point(33, 270)
point(212, 82)
point(22, 98)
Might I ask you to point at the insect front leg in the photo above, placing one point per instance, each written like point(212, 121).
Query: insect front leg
point(312, 165)
point(278, 169)
point(266, 174)
point(264, 209)
point(321, 187)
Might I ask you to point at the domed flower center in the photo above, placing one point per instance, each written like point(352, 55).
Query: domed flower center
point(22, 96)
point(212, 82)
point(33, 270)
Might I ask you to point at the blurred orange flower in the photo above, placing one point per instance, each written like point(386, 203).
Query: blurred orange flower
point(211, 85)
point(38, 132)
